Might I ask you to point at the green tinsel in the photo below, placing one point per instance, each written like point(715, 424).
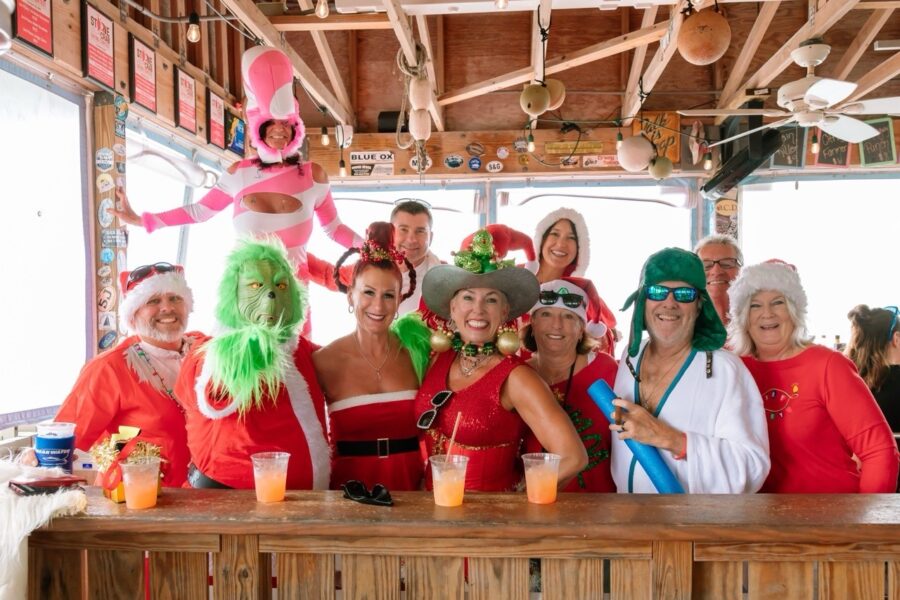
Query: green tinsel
point(415, 336)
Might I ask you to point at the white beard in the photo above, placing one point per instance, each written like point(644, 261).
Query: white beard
point(148, 331)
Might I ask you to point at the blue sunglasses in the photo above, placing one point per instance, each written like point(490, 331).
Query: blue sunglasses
point(658, 293)
point(893, 326)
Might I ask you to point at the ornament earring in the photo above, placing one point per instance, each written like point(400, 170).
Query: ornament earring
point(350, 309)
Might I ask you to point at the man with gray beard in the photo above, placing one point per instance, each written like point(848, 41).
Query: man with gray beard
point(131, 384)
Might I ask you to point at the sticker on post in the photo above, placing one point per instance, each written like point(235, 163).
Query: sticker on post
point(107, 340)
point(106, 321)
point(105, 183)
point(104, 159)
point(104, 217)
point(495, 166)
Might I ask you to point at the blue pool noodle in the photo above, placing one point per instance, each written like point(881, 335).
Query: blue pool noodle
point(648, 456)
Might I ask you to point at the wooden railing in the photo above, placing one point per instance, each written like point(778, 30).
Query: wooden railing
point(589, 546)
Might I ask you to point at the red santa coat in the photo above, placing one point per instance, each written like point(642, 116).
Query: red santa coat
point(108, 393)
point(221, 441)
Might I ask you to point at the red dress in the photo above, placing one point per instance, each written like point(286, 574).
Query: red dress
point(488, 434)
point(374, 440)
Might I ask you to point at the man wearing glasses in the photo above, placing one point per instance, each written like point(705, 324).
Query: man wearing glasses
point(413, 222)
point(131, 384)
point(722, 260)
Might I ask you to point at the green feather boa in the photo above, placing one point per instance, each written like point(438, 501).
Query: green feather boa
point(415, 336)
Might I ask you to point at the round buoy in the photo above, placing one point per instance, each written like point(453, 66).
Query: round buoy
point(535, 99)
point(635, 153)
point(704, 37)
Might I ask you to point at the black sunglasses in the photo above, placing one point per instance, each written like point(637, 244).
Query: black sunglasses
point(549, 298)
point(426, 419)
point(358, 492)
point(141, 273)
point(725, 263)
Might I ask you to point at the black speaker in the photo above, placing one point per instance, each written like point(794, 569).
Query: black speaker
point(741, 165)
point(387, 121)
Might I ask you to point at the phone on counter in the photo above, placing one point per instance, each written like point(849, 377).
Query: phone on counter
point(48, 485)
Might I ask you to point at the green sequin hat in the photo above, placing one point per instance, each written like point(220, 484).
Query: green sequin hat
point(478, 267)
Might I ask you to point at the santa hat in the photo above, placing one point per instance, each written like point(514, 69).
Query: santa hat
point(137, 294)
point(589, 309)
point(269, 84)
point(579, 267)
point(773, 275)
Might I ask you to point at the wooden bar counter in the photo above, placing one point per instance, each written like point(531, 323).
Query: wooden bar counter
point(830, 546)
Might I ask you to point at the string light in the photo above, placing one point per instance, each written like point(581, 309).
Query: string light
point(531, 142)
point(618, 140)
point(815, 144)
point(193, 30)
point(325, 139)
point(322, 10)
point(342, 168)
point(501, 4)
point(707, 161)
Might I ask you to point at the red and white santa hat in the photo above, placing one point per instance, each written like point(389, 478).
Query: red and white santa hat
point(141, 284)
point(560, 293)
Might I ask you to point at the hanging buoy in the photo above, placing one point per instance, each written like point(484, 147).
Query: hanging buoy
point(635, 153)
point(419, 93)
point(704, 37)
point(557, 91)
point(535, 99)
point(420, 125)
point(660, 168)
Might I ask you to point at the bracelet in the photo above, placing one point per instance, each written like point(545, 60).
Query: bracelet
point(683, 454)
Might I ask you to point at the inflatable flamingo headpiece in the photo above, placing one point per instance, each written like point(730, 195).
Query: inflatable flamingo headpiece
point(269, 85)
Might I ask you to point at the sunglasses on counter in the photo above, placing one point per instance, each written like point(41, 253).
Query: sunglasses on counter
point(725, 263)
point(893, 326)
point(143, 272)
point(658, 293)
point(358, 492)
point(549, 298)
point(426, 419)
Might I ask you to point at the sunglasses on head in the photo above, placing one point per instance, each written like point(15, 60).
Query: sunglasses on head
point(549, 298)
point(143, 272)
point(358, 492)
point(893, 326)
point(426, 419)
point(658, 293)
point(725, 263)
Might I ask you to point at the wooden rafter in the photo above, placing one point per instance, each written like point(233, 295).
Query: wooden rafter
point(631, 104)
point(781, 59)
point(592, 53)
point(751, 44)
point(252, 18)
point(334, 22)
point(876, 77)
point(640, 53)
point(861, 42)
point(425, 37)
point(331, 69)
point(403, 31)
point(540, 17)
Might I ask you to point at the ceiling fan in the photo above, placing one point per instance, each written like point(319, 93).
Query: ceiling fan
point(814, 102)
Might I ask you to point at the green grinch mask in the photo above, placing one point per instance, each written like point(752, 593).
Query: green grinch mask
point(264, 296)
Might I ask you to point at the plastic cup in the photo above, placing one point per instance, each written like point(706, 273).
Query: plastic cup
point(541, 476)
point(141, 482)
point(270, 475)
point(448, 475)
point(54, 445)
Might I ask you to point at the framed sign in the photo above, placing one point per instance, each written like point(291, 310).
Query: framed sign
point(234, 134)
point(215, 120)
point(97, 47)
point(833, 152)
point(792, 151)
point(33, 24)
point(142, 63)
point(185, 101)
point(664, 130)
point(879, 150)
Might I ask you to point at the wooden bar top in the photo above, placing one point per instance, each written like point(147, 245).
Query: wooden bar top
point(699, 518)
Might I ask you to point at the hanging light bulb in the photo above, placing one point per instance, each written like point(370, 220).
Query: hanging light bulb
point(325, 139)
point(707, 161)
point(815, 144)
point(193, 30)
point(322, 9)
point(618, 140)
point(501, 4)
point(342, 168)
point(530, 142)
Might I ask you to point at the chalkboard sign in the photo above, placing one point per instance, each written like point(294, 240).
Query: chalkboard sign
point(879, 150)
point(792, 151)
point(833, 152)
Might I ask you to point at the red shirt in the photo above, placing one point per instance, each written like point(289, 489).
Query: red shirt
point(820, 413)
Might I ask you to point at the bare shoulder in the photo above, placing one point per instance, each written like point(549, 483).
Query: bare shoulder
point(318, 173)
point(332, 356)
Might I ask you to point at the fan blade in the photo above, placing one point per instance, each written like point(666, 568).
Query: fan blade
point(827, 92)
point(847, 128)
point(746, 133)
point(724, 112)
point(877, 106)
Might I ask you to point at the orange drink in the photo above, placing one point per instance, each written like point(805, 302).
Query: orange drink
point(270, 475)
point(141, 479)
point(541, 476)
point(448, 475)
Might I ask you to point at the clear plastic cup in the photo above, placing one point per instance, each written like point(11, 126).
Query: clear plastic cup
point(54, 445)
point(448, 475)
point(141, 478)
point(270, 475)
point(541, 476)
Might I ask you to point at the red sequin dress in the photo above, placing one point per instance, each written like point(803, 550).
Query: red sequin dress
point(488, 434)
point(371, 429)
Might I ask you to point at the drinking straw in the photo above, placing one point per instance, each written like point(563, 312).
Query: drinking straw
point(453, 435)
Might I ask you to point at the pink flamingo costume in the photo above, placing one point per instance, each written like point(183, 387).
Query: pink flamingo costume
point(268, 83)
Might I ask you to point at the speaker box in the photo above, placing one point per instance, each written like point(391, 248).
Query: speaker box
point(387, 121)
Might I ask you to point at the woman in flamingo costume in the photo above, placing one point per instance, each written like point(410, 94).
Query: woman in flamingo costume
point(274, 193)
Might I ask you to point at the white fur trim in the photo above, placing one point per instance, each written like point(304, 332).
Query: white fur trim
point(767, 276)
point(596, 330)
point(305, 411)
point(581, 230)
point(171, 282)
point(203, 405)
point(555, 286)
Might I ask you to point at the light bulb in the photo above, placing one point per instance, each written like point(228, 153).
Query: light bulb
point(618, 140)
point(707, 160)
point(530, 143)
point(501, 4)
point(325, 139)
point(193, 30)
point(815, 144)
point(322, 9)
point(342, 168)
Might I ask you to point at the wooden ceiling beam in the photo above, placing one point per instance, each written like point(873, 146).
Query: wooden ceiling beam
point(877, 5)
point(592, 53)
point(875, 78)
point(540, 17)
point(640, 54)
point(861, 43)
point(331, 69)
point(425, 38)
point(821, 22)
point(751, 44)
point(254, 20)
point(334, 22)
point(403, 31)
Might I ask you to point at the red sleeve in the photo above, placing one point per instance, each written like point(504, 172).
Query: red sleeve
point(506, 239)
point(855, 413)
point(321, 272)
point(93, 402)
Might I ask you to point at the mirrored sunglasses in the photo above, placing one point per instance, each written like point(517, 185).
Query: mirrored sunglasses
point(358, 492)
point(143, 272)
point(725, 263)
point(658, 293)
point(549, 298)
point(426, 419)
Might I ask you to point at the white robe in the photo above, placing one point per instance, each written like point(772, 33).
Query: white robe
point(725, 423)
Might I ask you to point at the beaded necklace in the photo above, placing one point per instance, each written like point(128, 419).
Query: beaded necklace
point(162, 382)
point(487, 349)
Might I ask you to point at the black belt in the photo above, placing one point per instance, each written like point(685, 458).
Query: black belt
point(381, 447)
point(198, 480)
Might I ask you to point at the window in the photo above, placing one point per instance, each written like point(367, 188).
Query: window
point(840, 233)
point(43, 241)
